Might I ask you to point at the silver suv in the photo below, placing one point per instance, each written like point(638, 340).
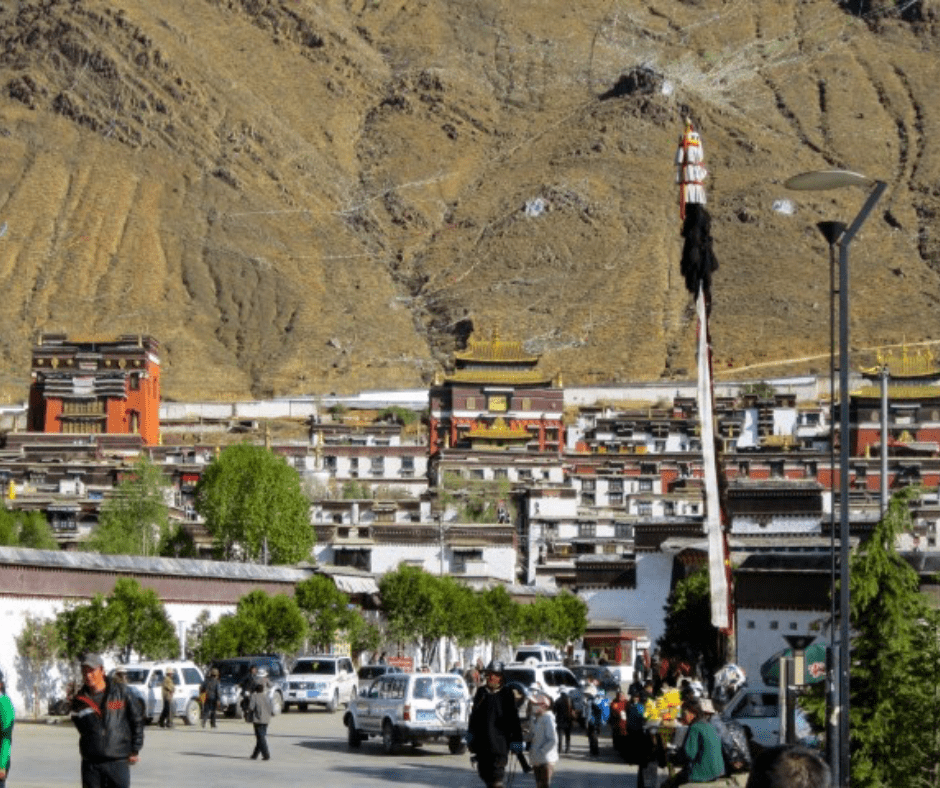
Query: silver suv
point(146, 679)
point(324, 680)
point(411, 708)
point(550, 679)
point(233, 677)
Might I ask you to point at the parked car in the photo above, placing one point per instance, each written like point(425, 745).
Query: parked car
point(146, 679)
point(322, 680)
point(550, 679)
point(540, 653)
point(411, 708)
point(234, 671)
point(607, 680)
point(757, 709)
point(369, 673)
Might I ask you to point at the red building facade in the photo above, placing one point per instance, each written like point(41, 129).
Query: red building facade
point(496, 398)
point(96, 385)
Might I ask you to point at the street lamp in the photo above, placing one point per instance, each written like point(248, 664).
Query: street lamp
point(841, 236)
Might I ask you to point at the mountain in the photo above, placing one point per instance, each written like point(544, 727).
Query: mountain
point(305, 196)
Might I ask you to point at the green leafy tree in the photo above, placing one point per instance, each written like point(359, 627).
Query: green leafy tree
point(26, 529)
point(326, 609)
point(895, 701)
point(250, 497)
point(37, 647)
point(460, 605)
point(689, 633)
point(84, 627)
point(261, 624)
point(224, 639)
point(501, 617)
point(363, 635)
point(142, 623)
point(134, 520)
point(412, 604)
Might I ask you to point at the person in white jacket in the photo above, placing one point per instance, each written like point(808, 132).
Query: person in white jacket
point(544, 753)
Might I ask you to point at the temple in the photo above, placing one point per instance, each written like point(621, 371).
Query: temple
point(101, 385)
point(496, 398)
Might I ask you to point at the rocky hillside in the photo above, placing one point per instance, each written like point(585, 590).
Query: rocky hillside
point(300, 196)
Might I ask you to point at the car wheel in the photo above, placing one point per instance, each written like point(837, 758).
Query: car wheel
point(334, 702)
point(352, 736)
point(388, 738)
point(456, 745)
point(277, 703)
point(302, 706)
point(193, 712)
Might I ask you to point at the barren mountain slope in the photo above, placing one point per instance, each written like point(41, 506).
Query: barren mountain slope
point(298, 196)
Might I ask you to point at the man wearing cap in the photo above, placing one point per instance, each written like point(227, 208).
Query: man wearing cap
point(167, 691)
point(6, 731)
point(110, 727)
point(494, 728)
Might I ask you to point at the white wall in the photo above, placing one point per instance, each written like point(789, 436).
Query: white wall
point(758, 640)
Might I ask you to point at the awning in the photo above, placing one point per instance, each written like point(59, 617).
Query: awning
point(356, 585)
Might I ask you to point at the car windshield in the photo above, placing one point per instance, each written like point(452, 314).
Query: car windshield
point(232, 671)
point(137, 676)
point(524, 677)
point(446, 687)
point(315, 666)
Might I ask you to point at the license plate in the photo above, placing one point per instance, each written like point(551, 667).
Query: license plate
point(426, 715)
point(312, 693)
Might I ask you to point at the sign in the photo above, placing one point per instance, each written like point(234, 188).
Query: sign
point(407, 664)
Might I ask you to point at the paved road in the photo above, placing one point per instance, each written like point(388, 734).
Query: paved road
point(306, 749)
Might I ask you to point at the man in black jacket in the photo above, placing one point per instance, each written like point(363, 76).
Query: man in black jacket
point(494, 728)
point(110, 726)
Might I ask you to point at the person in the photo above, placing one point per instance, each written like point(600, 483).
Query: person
point(7, 718)
point(472, 677)
point(494, 729)
point(638, 750)
point(260, 712)
point(700, 754)
point(564, 720)
point(110, 727)
point(383, 659)
point(597, 710)
point(543, 753)
point(210, 700)
point(248, 688)
point(167, 689)
point(618, 723)
point(788, 766)
point(639, 667)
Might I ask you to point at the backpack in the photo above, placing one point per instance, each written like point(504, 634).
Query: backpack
point(734, 747)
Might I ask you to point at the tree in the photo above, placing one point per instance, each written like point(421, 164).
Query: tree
point(37, 646)
point(689, 634)
point(411, 601)
point(250, 498)
point(134, 520)
point(894, 708)
point(260, 624)
point(326, 608)
point(86, 627)
point(142, 623)
point(26, 529)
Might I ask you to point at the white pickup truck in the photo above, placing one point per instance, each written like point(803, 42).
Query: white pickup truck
point(411, 708)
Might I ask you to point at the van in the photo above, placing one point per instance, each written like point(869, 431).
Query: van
point(537, 653)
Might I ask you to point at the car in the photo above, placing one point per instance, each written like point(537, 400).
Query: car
point(411, 708)
point(322, 680)
point(369, 673)
point(234, 671)
point(549, 679)
point(607, 680)
point(539, 653)
point(757, 710)
point(146, 680)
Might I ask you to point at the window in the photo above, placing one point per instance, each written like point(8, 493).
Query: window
point(659, 446)
point(477, 473)
point(793, 626)
point(471, 403)
point(526, 403)
point(751, 625)
point(775, 625)
point(329, 463)
point(354, 467)
point(615, 499)
point(623, 531)
point(646, 485)
point(587, 485)
point(377, 466)
point(407, 466)
point(776, 469)
point(587, 499)
point(588, 530)
point(133, 383)
point(501, 473)
point(669, 508)
point(497, 402)
point(644, 509)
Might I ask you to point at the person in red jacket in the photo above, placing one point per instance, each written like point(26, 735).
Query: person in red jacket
point(110, 724)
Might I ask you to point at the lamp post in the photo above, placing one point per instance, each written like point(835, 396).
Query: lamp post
point(842, 237)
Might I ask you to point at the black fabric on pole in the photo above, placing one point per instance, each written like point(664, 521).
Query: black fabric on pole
point(698, 259)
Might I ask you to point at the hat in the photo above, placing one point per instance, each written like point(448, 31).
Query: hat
point(707, 706)
point(495, 667)
point(591, 690)
point(92, 660)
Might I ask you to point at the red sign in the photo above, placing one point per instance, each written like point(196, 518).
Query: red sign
point(407, 664)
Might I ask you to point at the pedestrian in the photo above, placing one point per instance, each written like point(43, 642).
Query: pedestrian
point(260, 712)
point(248, 688)
point(618, 723)
point(494, 730)
point(210, 697)
point(167, 690)
point(7, 718)
point(564, 720)
point(700, 755)
point(110, 727)
point(597, 710)
point(639, 667)
point(788, 766)
point(383, 660)
point(544, 750)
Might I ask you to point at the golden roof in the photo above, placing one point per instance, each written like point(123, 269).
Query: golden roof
point(495, 350)
point(499, 429)
point(898, 392)
point(919, 364)
point(500, 376)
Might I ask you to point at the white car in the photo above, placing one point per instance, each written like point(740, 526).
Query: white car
point(324, 680)
point(146, 679)
point(537, 653)
point(549, 679)
point(756, 709)
point(411, 708)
